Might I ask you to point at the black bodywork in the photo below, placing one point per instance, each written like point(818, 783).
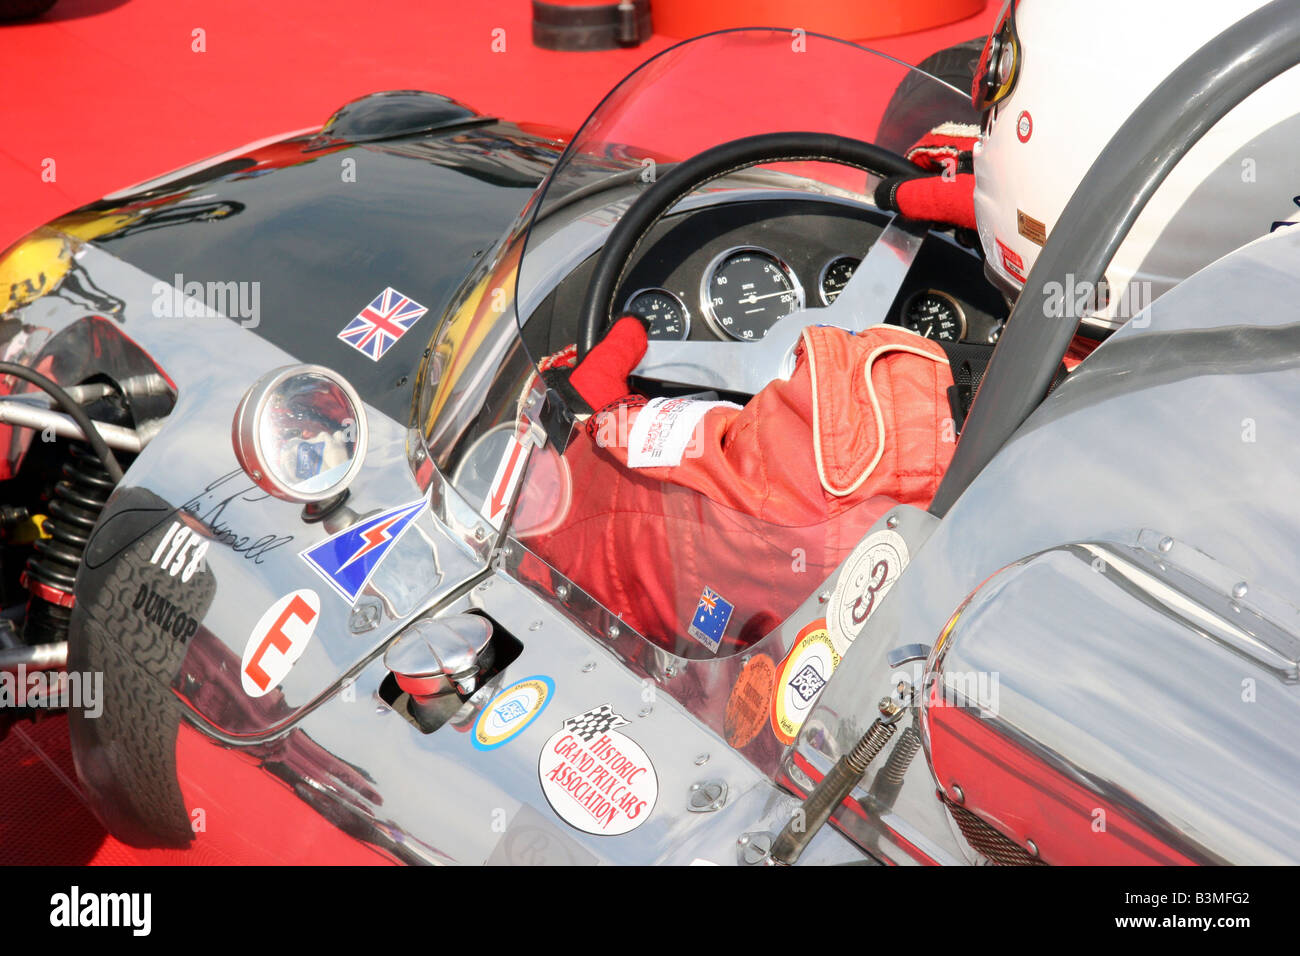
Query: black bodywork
point(315, 219)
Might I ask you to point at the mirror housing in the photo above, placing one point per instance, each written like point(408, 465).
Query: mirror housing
point(300, 433)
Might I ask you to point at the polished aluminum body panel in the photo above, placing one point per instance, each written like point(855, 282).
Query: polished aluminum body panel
point(1118, 667)
point(1182, 425)
point(192, 466)
point(451, 802)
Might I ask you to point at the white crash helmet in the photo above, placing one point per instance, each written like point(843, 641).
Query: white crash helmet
point(1056, 80)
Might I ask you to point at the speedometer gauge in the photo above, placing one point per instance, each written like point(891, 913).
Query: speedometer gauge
point(746, 290)
point(936, 315)
point(665, 312)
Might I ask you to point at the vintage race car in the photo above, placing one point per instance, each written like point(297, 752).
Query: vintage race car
point(307, 545)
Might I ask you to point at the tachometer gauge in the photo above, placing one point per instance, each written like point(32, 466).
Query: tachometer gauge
point(665, 312)
point(835, 276)
point(746, 290)
point(936, 315)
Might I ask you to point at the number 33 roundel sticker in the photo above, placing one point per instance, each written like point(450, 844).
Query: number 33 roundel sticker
point(865, 579)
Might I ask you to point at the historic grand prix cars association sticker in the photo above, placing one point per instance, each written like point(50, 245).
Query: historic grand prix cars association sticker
point(865, 579)
point(277, 640)
point(595, 778)
point(511, 711)
point(800, 679)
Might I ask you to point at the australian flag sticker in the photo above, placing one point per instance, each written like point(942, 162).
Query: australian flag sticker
point(348, 559)
point(710, 621)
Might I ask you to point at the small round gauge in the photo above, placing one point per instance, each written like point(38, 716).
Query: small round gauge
point(665, 312)
point(746, 290)
point(936, 315)
point(835, 276)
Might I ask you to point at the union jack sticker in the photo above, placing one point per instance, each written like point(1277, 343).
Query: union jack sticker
point(379, 325)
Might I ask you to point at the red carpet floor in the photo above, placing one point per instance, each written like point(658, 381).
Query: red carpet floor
point(42, 819)
point(111, 93)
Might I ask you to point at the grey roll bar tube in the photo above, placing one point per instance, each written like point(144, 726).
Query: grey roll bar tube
point(1115, 190)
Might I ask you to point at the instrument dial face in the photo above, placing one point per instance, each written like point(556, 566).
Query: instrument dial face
point(935, 315)
point(835, 276)
point(665, 312)
point(746, 290)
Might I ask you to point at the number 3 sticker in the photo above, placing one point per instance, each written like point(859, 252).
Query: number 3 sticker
point(865, 579)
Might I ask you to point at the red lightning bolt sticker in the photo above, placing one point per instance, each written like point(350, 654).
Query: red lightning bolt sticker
point(371, 539)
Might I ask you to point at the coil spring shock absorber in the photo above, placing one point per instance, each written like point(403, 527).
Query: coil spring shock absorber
point(51, 572)
point(839, 782)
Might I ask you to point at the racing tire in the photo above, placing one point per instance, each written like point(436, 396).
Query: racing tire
point(126, 756)
point(956, 67)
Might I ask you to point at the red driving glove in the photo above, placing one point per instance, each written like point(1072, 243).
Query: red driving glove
point(944, 188)
point(601, 378)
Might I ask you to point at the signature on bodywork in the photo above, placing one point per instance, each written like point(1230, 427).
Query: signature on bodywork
point(207, 508)
point(222, 533)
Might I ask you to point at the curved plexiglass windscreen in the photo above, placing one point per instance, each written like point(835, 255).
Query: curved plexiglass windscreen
point(698, 95)
point(694, 547)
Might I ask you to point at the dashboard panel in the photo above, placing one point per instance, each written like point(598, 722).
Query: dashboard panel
point(728, 271)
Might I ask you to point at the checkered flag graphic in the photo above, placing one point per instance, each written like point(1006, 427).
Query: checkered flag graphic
point(593, 722)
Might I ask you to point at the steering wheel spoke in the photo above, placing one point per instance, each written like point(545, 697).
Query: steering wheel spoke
point(748, 366)
point(726, 366)
point(865, 299)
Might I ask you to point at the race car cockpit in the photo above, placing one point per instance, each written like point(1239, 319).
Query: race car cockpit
point(794, 361)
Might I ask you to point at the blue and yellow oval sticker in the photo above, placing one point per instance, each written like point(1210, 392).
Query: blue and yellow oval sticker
point(511, 711)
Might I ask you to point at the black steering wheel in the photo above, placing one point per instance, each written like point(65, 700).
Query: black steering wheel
point(762, 358)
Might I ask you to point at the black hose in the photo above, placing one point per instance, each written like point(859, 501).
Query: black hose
point(74, 411)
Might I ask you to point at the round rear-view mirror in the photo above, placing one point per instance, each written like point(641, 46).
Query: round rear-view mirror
point(300, 433)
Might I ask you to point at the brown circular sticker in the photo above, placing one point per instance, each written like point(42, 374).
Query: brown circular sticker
point(747, 706)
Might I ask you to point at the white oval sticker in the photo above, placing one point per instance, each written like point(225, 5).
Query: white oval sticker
point(511, 711)
point(277, 640)
point(865, 579)
point(595, 778)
